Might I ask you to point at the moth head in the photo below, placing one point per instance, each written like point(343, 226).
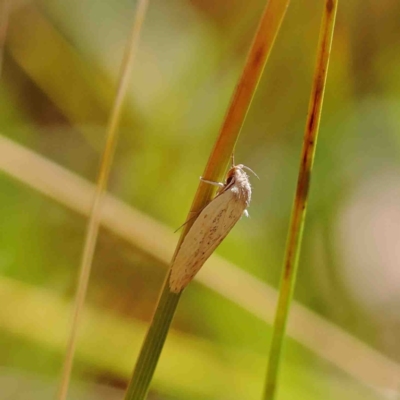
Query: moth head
point(236, 172)
point(233, 174)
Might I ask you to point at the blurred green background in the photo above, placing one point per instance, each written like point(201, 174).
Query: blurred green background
point(60, 66)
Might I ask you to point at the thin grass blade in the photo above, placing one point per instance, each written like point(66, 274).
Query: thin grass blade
point(95, 214)
point(297, 219)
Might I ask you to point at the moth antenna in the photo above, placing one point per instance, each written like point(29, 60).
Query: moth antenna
point(249, 169)
point(233, 160)
point(188, 220)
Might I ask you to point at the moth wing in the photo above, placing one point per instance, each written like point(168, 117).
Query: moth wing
point(206, 233)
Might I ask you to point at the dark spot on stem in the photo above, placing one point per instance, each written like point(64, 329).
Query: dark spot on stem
point(258, 56)
point(329, 6)
point(288, 268)
point(311, 122)
point(305, 183)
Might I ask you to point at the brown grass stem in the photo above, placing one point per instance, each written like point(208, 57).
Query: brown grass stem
point(223, 149)
point(257, 58)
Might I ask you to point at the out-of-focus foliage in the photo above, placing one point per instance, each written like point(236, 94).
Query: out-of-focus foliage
point(60, 66)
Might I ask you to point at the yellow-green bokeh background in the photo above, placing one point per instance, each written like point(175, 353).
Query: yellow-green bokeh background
point(59, 74)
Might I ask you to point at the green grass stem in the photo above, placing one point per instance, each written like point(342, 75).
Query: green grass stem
point(297, 219)
point(153, 344)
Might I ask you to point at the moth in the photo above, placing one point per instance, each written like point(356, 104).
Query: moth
point(211, 226)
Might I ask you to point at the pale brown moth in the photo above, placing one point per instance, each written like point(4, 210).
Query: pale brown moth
point(211, 226)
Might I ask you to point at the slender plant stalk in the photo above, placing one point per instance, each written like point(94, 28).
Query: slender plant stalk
point(297, 219)
point(95, 214)
point(224, 146)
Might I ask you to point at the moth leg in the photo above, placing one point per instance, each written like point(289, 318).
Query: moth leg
point(246, 213)
point(219, 184)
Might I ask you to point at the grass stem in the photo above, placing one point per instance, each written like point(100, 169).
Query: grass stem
point(95, 214)
point(297, 219)
point(153, 344)
point(224, 146)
